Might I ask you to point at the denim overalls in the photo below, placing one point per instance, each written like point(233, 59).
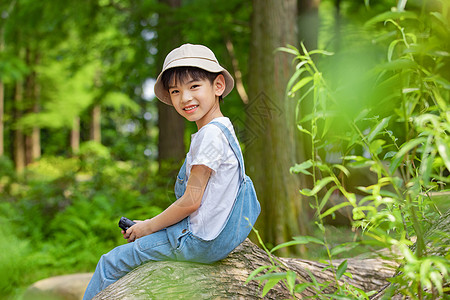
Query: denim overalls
point(177, 242)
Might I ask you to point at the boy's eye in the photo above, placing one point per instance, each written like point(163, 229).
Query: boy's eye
point(173, 92)
point(195, 86)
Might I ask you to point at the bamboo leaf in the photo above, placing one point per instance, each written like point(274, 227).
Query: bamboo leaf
point(269, 285)
point(344, 247)
point(334, 208)
point(294, 77)
point(256, 272)
point(301, 129)
point(380, 126)
point(290, 279)
point(341, 269)
point(304, 81)
point(298, 240)
point(302, 168)
point(444, 151)
point(391, 15)
point(326, 197)
point(398, 64)
point(308, 239)
point(320, 184)
point(409, 146)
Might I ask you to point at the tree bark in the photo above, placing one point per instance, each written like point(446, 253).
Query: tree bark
point(96, 130)
point(19, 140)
point(270, 124)
point(32, 137)
point(226, 279)
point(2, 111)
point(75, 136)
point(171, 125)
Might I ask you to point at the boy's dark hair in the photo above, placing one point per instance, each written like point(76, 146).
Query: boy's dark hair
point(181, 74)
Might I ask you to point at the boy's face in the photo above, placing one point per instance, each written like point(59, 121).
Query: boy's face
point(197, 99)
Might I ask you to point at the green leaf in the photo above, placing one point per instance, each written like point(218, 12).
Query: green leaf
point(302, 168)
point(294, 77)
point(376, 146)
point(308, 239)
point(342, 168)
point(269, 285)
point(391, 15)
point(380, 126)
point(290, 279)
point(320, 184)
point(444, 151)
point(323, 52)
point(301, 129)
point(299, 288)
point(389, 154)
point(271, 276)
point(391, 48)
point(304, 81)
point(256, 272)
point(326, 197)
point(334, 208)
point(409, 146)
point(343, 248)
point(341, 269)
point(288, 50)
point(300, 240)
point(398, 64)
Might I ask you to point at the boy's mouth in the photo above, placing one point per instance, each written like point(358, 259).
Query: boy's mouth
point(190, 108)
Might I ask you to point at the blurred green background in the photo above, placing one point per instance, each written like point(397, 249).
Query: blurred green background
point(84, 141)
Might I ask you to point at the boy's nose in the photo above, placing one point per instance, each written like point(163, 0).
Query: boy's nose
point(186, 96)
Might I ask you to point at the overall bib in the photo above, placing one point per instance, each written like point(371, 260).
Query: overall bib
point(177, 242)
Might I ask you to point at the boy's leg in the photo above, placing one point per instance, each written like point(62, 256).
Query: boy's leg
point(122, 259)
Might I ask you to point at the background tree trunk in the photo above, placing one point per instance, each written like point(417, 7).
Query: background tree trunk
point(19, 140)
point(75, 136)
point(2, 111)
point(96, 130)
point(171, 125)
point(32, 137)
point(2, 98)
point(271, 119)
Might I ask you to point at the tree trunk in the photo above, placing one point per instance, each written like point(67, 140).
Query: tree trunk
point(19, 140)
point(96, 130)
point(171, 125)
point(271, 121)
point(226, 279)
point(32, 137)
point(75, 136)
point(2, 111)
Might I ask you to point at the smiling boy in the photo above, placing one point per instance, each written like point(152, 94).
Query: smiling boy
point(215, 199)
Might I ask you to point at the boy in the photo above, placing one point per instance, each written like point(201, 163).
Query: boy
point(214, 195)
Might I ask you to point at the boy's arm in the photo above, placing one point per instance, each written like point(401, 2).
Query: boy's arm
point(180, 209)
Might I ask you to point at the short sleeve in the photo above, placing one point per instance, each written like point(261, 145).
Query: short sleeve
point(209, 147)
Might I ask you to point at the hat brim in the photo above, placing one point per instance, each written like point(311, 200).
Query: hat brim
point(202, 63)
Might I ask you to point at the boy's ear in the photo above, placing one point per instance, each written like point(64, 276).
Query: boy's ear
point(219, 85)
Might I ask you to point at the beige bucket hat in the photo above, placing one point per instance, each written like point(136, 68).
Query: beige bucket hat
point(189, 55)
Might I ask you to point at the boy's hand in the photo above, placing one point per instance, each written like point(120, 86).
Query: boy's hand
point(140, 229)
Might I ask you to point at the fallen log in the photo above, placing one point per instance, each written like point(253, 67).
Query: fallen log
point(226, 279)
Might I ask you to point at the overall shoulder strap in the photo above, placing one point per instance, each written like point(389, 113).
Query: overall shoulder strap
point(234, 146)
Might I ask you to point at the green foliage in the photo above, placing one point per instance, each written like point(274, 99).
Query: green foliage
point(64, 215)
point(389, 115)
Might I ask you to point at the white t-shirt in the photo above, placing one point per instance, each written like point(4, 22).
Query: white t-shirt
point(210, 147)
